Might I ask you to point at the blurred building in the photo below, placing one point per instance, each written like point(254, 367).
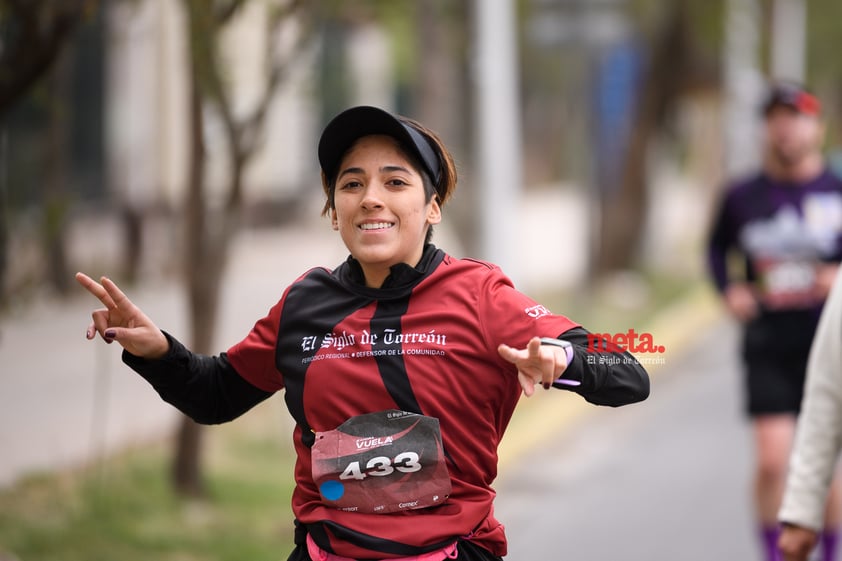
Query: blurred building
point(147, 93)
point(105, 138)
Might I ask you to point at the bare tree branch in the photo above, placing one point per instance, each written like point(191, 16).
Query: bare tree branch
point(225, 11)
point(280, 68)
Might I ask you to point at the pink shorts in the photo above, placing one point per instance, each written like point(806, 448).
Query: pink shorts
point(319, 554)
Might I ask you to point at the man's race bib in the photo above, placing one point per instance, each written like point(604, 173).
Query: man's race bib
point(381, 462)
point(787, 283)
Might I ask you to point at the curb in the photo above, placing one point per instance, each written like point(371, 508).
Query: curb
point(536, 419)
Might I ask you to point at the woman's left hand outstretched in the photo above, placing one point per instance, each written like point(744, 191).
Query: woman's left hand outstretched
point(122, 321)
point(536, 364)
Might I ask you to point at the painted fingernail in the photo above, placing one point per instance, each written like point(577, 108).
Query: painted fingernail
point(110, 335)
point(89, 333)
point(546, 385)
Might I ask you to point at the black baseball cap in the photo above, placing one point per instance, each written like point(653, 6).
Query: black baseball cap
point(354, 123)
point(794, 96)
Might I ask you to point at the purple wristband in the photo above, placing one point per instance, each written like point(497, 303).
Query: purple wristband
point(568, 351)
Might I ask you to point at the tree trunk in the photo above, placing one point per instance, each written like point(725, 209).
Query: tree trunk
point(206, 253)
point(56, 201)
point(133, 231)
point(624, 214)
point(4, 209)
point(187, 476)
point(208, 238)
point(187, 473)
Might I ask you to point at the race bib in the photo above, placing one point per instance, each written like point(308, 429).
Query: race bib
point(787, 283)
point(382, 462)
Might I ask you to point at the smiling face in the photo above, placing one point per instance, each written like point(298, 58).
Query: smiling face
point(380, 207)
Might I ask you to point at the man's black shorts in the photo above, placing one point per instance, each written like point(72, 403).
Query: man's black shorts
point(776, 347)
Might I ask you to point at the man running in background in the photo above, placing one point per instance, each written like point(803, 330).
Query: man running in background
point(783, 224)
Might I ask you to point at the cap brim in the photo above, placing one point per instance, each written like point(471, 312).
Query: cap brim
point(344, 129)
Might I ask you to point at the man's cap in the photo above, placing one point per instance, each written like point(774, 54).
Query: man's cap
point(354, 123)
point(794, 96)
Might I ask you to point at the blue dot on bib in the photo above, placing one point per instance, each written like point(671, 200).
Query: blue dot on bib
point(332, 490)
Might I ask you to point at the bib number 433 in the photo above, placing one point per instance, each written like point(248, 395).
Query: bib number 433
point(382, 462)
point(381, 466)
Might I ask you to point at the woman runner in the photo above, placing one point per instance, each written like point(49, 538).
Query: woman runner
point(401, 367)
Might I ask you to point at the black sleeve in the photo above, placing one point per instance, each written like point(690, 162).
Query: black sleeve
point(609, 377)
point(719, 243)
point(205, 388)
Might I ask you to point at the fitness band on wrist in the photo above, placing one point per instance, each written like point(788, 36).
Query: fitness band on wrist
point(568, 351)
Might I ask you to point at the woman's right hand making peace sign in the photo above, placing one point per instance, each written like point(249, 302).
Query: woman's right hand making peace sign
point(122, 321)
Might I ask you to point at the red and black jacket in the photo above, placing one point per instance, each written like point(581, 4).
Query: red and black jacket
point(426, 342)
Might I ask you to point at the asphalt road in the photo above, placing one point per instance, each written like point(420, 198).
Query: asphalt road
point(668, 479)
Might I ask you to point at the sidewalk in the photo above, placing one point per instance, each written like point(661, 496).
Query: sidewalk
point(65, 400)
